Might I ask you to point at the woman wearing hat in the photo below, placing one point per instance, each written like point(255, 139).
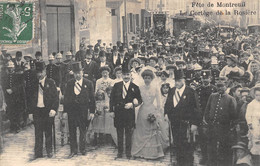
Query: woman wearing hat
point(253, 122)
point(132, 65)
point(231, 66)
point(102, 84)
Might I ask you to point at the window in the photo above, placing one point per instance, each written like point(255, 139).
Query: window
point(131, 22)
point(113, 12)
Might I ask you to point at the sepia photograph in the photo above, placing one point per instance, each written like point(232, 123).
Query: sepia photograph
point(129, 83)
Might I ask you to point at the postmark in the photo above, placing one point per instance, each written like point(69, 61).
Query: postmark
point(16, 23)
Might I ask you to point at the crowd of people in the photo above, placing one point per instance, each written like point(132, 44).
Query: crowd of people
point(194, 90)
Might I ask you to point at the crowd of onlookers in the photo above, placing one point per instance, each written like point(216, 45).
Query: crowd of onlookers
point(205, 58)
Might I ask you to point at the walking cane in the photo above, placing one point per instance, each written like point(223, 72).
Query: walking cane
point(170, 139)
point(54, 138)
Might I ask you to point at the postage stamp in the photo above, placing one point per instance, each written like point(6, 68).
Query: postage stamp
point(16, 23)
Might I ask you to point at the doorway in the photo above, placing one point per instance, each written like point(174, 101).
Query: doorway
point(59, 28)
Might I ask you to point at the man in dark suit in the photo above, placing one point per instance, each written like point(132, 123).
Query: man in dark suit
point(125, 96)
point(103, 62)
point(44, 103)
point(79, 104)
point(18, 63)
point(114, 57)
point(220, 113)
point(180, 109)
point(122, 59)
point(90, 68)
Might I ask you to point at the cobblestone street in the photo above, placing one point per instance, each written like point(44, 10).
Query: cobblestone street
point(18, 149)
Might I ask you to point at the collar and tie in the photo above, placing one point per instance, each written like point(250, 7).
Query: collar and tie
point(124, 91)
point(41, 88)
point(77, 88)
point(176, 98)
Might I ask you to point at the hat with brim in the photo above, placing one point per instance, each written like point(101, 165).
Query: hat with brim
point(154, 58)
point(240, 145)
point(171, 66)
point(118, 68)
point(76, 67)
point(68, 53)
point(244, 89)
point(165, 73)
point(27, 56)
point(180, 62)
point(142, 58)
point(252, 90)
point(134, 60)
point(232, 57)
point(104, 68)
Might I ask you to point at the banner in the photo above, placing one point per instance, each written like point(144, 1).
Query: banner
point(159, 21)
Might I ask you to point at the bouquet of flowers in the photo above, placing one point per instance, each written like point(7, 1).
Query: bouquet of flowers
point(151, 118)
point(98, 112)
point(106, 109)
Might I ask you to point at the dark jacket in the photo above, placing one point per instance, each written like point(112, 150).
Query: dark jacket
point(185, 110)
point(220, 109)
point(123, 117)
point(91, 70)
point(53, 72)
point(84, 102)
point(14, 82)
point(50, 95)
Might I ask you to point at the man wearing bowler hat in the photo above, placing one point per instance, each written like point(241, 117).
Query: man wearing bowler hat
point(125, 96)
point(180, 109)
point(79, 104)
point(44, 105)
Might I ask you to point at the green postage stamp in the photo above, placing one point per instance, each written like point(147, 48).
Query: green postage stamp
point(16, 23)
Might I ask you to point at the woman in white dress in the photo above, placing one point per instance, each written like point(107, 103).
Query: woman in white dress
point(149, 137)
point(253, 122)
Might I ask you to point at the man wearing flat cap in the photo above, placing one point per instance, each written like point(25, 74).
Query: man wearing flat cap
point(79, 104)
point(220, 113)
point(180, 109)
point(44, 105)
